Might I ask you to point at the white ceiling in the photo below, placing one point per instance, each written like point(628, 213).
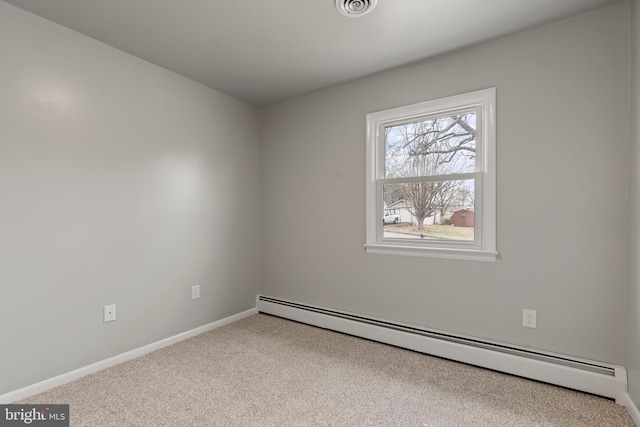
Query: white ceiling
point(267, 51)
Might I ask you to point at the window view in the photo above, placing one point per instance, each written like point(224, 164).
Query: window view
point(429, 210)
point(438, 207)
point(431, 178)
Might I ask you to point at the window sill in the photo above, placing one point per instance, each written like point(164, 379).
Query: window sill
point(445, 253)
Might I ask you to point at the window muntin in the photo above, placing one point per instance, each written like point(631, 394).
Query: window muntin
point(433, 163)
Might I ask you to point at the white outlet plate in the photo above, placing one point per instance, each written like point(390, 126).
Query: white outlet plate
point(195, 292)
point(529, 318)
point(109, 313)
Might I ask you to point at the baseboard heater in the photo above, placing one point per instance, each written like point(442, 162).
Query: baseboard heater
point(579, 374)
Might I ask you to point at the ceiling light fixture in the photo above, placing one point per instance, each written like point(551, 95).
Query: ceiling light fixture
point(355, 8)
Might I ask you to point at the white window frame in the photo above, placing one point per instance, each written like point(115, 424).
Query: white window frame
point(484, 246)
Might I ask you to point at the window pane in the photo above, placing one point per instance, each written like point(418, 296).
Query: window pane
point(434, 146)
point(444, 208)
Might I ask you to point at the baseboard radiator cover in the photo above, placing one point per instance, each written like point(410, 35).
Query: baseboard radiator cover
point(578, 374)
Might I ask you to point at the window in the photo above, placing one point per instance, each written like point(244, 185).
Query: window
point(433, 165)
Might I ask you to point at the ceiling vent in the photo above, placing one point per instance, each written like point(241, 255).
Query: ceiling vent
point(355, 8)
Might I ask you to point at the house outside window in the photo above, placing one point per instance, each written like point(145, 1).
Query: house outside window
point(433, 165)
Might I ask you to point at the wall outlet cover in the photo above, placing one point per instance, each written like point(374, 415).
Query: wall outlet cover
point(529, 318)
point(109, 313)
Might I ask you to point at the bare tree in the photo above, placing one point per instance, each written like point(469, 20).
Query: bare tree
point(421, 195)
point(392, 194)
point(464, 198)
point(431, 147)
point(446, 197)
point(444, 136)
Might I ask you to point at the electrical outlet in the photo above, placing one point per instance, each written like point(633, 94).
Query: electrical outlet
point(195, 292)
point(109, 313)
point(529, 318)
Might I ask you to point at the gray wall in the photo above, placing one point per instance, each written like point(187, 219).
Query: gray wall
point(563, 132)
point(121, 183)
point(633, 290)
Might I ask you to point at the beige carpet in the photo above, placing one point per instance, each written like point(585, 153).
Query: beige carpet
point(266, 371)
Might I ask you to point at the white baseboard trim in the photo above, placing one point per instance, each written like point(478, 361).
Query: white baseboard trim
point(632, 409)
point(45, 385)
point(579, 374)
